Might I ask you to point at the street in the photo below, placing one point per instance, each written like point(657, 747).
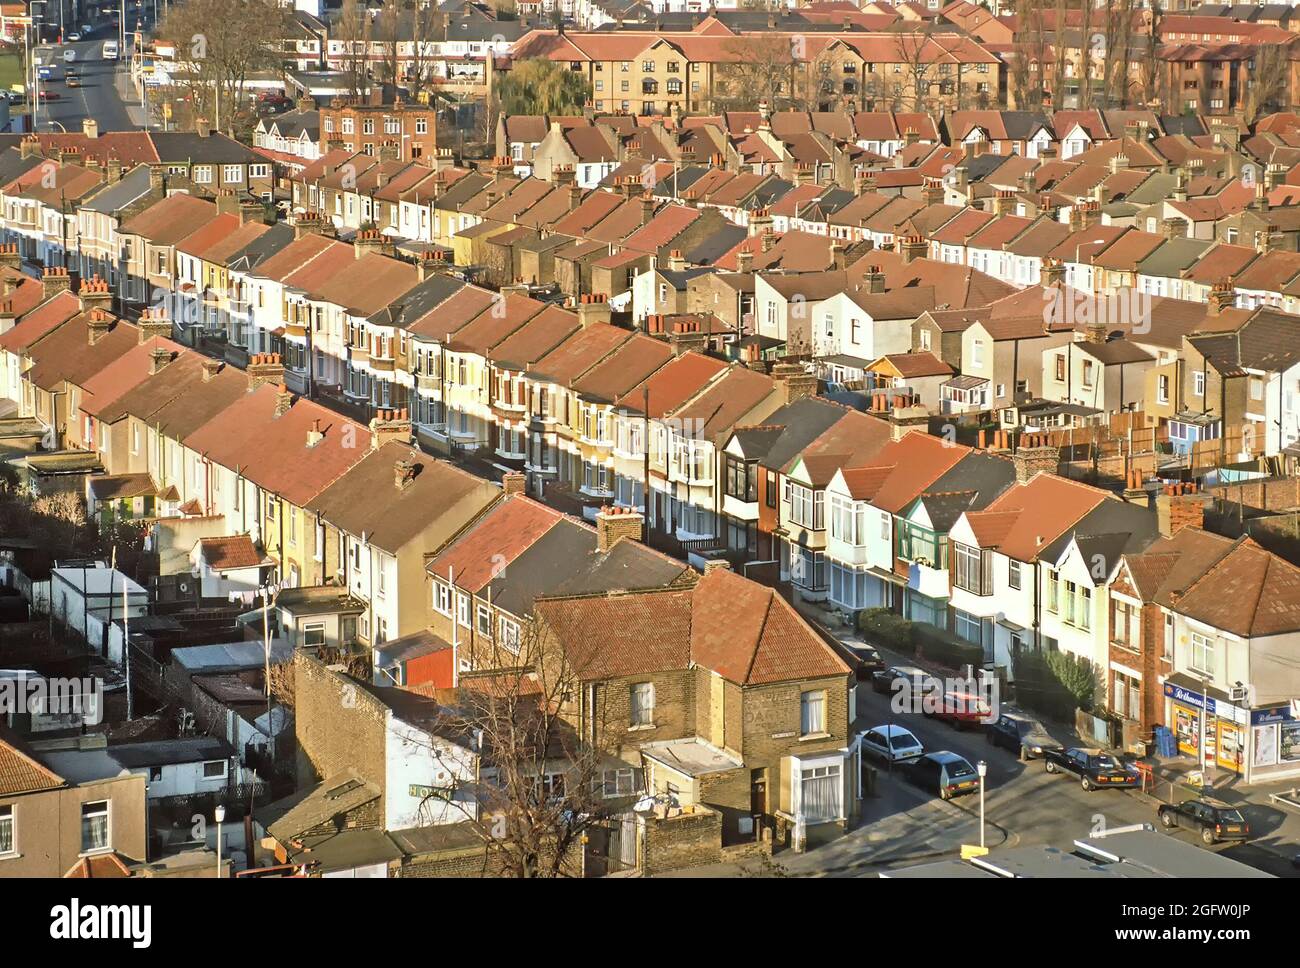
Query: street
point(100, 93)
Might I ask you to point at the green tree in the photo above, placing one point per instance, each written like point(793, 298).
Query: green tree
point(539, 86)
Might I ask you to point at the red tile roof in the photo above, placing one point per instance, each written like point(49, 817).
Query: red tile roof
point(229, 554)
point(19, 773)
point(489, 546)
point(1028, 517)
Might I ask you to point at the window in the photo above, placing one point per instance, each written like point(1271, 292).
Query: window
point(1256, 388)
point(819, 793)
point(313, 634)
point(202, 174)
point(806, 507)
point(848, 521)
point(442, 598)
point(1198, 384)
point(509, 635)
point(484, 616)
point(1013, 574)
point(94, 826)
point(1202, 658)
point(622, 782)
point(742, 479)
point(969, 571)
point(215, 769)
point(462, 609)
point(977, 353)
point(1053, 592)
point(232, 173)
point(812, 713)
point(925, 340)
point(1060, 367)
point(967, 626)
point(1162, 389)
point(643, 704)
point(8, 842)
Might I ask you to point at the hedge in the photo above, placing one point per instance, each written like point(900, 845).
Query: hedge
point(1055, 683)
point(945, 648)
point(887, 628)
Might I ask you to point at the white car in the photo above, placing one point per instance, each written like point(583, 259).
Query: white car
point(69, 56)
point(74, 37)
point(893, 744)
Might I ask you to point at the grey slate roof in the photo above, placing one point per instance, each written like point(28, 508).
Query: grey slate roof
point(133, 185)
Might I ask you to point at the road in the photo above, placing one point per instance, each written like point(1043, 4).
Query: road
point(1024, 806)
point(99, 95)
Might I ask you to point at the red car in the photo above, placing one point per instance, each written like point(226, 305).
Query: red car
point(50, 95)
point(960, 710)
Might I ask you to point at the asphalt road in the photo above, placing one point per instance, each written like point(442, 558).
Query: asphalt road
point(98, 96)
point(1024, 806)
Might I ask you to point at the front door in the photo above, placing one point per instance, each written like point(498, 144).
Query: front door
point(758, 800)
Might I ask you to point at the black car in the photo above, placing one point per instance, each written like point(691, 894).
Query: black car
point(870, 660)
point(1217, 821)
point(1023, 735)
point(1096, 769)
point(883, 681)
point(944, 773)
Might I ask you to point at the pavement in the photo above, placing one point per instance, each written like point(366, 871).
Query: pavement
point(1024, 805)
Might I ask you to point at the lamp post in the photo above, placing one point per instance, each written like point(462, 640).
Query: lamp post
point(983, 769)
point(219, 814)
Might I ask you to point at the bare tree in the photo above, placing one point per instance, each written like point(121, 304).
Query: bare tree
point(916, 53)
point(354, 31)
point(388, 35)
point(1118, 35)
point(1060, 35)
point(220, 44)
point(761, 68)
point(1154, 75)
point(543, 749)
point(1269, 82)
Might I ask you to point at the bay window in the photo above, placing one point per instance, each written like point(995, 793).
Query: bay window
point(807, 507)
point(970, 569)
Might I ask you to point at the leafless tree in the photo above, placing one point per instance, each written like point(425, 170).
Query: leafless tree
point(1060, 43)
point(762, 67)
point(543, 751)
point(220, 44)
point(1118, 35)
point(916, 54)
point(1154, 75)
point(354, 31)
point(1269, 81)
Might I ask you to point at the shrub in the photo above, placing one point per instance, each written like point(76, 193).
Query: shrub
point(885, 628)
point(945, 648)
point(1054, 683)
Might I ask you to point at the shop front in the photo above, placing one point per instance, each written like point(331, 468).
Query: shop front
point(1275, 744)
point(1261, 744)
point(1223, 731)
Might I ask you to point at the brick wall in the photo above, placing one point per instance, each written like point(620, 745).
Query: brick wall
point(337, 724)
point(686, 840)
point(729, 794)
point(771, 728)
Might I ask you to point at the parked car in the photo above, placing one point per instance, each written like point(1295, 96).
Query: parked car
point(1216, 820)
point(74, 36)
point(871, 662)
point(960, 709)
point(883, 681)
point(1023, 735)
point(890, 743)
point(944, 773)
point(1094, 768)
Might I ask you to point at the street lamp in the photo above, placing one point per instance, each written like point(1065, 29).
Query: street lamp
point(983, 769)
point(219, 814)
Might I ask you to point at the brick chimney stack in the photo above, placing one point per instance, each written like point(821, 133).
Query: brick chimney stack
point(614, 523)
point(795, 382)
point(371, 240)
point(404, 472)
point(265, 368)
point(95, 294)
point(9, 256)
point(514, 482)
point(593, 308)
point(98, 323)
point(1179, 506)
point(55, 280)
point(1029, 461)
point(154, 323)
point(389, 425)
point(315, 435)
point(1222, 296)
point(283, 402)
point(210, 369)
point(159, 357)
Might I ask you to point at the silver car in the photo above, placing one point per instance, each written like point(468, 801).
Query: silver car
point(893, 744)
